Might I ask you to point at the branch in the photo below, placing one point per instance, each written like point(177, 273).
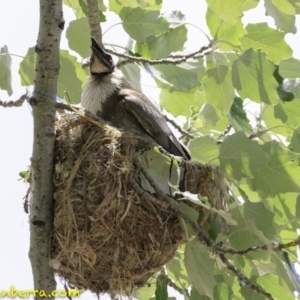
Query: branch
point(167, 61)
point(43, 109)
point(93, 12)
point(15, 103)
point(168, 202)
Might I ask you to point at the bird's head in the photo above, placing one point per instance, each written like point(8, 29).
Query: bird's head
point(101, 63)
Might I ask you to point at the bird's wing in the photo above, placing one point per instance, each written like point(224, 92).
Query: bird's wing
point(152, 120)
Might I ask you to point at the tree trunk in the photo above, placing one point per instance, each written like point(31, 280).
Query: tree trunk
point(43, 106)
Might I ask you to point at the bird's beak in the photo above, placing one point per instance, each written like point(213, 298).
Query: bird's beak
point(102, 55)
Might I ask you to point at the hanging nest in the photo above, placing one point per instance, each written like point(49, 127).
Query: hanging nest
point(108, 235)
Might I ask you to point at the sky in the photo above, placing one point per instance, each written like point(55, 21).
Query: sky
point(19, 21)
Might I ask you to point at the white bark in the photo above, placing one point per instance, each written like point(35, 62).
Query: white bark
point(43, 107)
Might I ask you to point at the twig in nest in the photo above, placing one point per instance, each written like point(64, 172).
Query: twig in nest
point(15, 103)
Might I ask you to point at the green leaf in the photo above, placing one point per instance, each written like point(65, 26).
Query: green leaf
point(159, 167)
point(79, 38)
point(290, 68)
point(140, 24)
point(227, 10)
point(117, 5)
point(5, 70)
point(181, 77)
point(261, 37)
point(68, 81)
point(178, 103)
point(282, 20)
point(280, 174)
point(162, 45)
point(161, 292)
point(133, 74)
point(25, 175)
point(200, 267)
point(262, 217)
point(295, 142)
point(222, 291)
point(27, 66)
point(238, 118)
point(252, 77)
point(241, 236)
point(271, 284)
point(204, 149)
point(224, 30)
point(218, 88)
point(240, 157)
point(286, 6)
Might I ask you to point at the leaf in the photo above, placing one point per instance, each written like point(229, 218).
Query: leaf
point(133, 74)
point(295, 142)
point(290, 68)
point(252, 77)
point(204, 149)
point(218, 88)
point(280, 174)
point(78, 35)
point(262, 217)
point(238, 118)
point(162, 45)
point(68, 80)
point(178, 103)
point(182, 77)
point(25, 175)
point(261, 37)
point(200, 267)
point(241, 236)
point(271, 284)
point(140, 24)
point(222, 291)
point(5, 70)
point(224, 30)
point(240, 157)
point(226, 10)
point(282, 20)
point(26, 70)
point(286, 6)
point(117, 5)
point(159, 167)
point(161, 292)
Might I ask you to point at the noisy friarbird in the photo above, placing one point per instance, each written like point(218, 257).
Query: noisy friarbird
point(109, 95)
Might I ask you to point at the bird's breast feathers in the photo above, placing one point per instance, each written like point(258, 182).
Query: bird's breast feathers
point(98, 90)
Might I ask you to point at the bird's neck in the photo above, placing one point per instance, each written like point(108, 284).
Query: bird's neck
point(98, 89)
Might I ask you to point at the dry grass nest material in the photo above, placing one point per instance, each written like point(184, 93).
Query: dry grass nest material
point(108, 237)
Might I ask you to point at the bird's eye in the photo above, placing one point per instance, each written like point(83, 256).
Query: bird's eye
point(109, 58)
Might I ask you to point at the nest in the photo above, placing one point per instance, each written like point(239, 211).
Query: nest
point(108, 236)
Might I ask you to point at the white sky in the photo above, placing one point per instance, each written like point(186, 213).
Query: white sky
point(19, 21)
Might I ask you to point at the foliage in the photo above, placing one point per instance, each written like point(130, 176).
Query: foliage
point(250, 69)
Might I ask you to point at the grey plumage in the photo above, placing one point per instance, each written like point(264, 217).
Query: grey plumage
point(109, 95)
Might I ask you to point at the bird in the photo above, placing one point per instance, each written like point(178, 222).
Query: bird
point(109, 95)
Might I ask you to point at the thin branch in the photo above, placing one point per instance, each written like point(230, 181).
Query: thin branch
point(13, 103)
point(93, 12)
point(244, 279)
point(182, 131)
point(169, 202)
point(171, 61)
